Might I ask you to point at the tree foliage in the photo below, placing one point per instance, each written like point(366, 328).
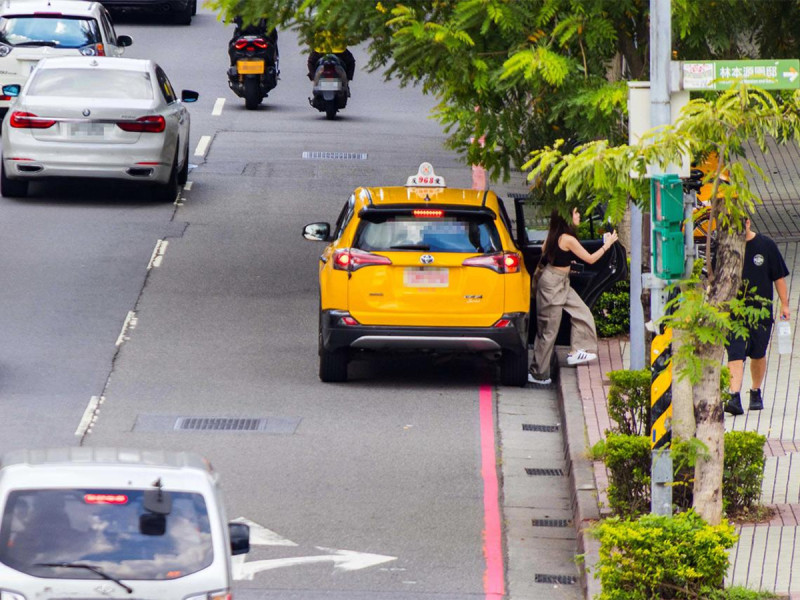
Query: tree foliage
point(512, 76)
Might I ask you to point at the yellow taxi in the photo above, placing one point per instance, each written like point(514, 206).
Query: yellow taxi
point(422, 267)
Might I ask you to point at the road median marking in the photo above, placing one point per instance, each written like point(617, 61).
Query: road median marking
point(129, 323)
point(217, 110)
point(89, 415)
point(158, 254)
point(202, 146)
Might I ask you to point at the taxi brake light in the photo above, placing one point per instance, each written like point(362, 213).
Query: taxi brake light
point(349, 321)
point(352, 259)
point(500, 262)
point(105, 498)
point(427, 212)
point(503, 323)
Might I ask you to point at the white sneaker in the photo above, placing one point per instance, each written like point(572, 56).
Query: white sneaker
point(580, 357)
point(532, 379)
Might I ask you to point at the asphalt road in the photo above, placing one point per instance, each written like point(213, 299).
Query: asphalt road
point(225, 326)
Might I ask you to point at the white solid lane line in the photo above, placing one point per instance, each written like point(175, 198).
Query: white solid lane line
point(217, 110)
point(202, 146)
point(89, 415)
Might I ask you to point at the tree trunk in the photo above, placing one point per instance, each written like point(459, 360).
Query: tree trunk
point(708, 411)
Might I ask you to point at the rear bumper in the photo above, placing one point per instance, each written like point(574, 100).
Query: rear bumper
point(512, 338)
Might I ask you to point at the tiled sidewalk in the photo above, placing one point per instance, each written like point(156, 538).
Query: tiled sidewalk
point(767, 555)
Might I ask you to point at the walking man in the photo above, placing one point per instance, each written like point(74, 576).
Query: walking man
point(763, 267)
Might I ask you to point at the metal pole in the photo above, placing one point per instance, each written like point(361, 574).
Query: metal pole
point(637, 352)
point(660, 56)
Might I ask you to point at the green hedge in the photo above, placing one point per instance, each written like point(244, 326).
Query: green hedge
point(661, 558)
point(612, 310)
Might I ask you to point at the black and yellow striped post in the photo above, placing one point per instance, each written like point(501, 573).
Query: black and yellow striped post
point(661, 423)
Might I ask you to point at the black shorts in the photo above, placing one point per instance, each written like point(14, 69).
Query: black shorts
point(755, 346)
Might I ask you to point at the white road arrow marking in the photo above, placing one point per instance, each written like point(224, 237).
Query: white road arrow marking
point(343, 560)
point(261, 536)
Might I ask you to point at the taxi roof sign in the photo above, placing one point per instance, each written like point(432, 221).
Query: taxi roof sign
point(425, 177)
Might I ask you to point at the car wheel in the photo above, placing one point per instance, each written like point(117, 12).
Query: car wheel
point(168, 192)
point(514, 368)
point(183, 16)
point(183, 174)
point(12, 188)
point(333, 365)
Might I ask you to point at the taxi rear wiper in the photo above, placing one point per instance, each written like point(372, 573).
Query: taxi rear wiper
point(425, 247)
point(92, 568)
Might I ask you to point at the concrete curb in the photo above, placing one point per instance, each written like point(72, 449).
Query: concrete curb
point(581, 473)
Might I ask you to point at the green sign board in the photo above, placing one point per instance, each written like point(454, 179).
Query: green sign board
point(722, 74)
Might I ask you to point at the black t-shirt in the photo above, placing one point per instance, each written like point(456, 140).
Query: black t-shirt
point(763, 265)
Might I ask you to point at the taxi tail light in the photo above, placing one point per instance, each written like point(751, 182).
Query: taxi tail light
point(352, 259)
point(502, 323)
point(348, 321)
point(148, 124)
point(26, 120)
point(500, 262)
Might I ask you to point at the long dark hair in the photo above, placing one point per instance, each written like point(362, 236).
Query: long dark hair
point(558, 226)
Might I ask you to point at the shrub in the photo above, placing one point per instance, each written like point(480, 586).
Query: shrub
point(660, 558)
point(629, 401)
point(743, 471)
point(627, 458)
point(740, 593)
point(612, 310)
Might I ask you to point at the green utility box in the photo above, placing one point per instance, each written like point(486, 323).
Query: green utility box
point(666, 213)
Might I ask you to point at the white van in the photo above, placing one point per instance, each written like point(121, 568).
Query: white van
point(113, 523)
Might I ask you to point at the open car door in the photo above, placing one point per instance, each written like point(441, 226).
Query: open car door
point(588, 280)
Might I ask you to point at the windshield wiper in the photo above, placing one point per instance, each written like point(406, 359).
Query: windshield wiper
point(50, 43)
point(92, 568)
point(411, 247)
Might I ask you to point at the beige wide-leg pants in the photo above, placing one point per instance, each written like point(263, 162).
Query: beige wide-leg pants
point(554, 294)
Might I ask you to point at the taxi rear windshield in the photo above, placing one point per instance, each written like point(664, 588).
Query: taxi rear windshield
point(103, 528)
point(461, 233)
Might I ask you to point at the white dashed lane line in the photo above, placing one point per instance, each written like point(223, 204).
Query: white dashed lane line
point(217, 110)
point(202, 146)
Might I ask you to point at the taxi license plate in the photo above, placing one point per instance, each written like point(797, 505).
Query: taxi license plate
point(250, 67)
point(87, 129)
point(329, 85)
point(430, 278)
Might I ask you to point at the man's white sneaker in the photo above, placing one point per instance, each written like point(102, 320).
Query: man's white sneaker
point(580, 357)
point(532, 379)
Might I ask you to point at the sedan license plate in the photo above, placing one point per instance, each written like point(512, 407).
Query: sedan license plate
point(250, 67)
point(429, 278)
point(87, 129)
point(329, 85)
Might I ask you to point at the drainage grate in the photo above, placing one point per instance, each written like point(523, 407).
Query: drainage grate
point(548, 472)
point(335, 155)
point(551, 522)
point(219, 424)
point(531, 427)
point(562, 579)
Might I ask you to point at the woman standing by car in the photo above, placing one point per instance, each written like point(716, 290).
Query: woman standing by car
point(554, 294)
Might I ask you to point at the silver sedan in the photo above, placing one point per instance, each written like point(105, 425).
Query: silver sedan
point(97, 117)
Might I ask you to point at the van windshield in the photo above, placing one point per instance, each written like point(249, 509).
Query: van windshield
point(103, 528)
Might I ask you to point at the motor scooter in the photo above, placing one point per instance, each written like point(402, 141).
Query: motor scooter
point(331, 88)
point(254, 71)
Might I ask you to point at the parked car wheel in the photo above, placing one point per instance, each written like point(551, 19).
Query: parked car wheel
point(514, 369)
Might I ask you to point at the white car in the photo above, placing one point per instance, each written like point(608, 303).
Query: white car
point(99, 523)
point(97, 117)
point(31, 30)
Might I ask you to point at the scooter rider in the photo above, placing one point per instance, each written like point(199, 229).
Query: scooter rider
point(329, 43)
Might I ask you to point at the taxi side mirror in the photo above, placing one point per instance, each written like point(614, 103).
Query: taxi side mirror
point(240, 538)
point(317, 232)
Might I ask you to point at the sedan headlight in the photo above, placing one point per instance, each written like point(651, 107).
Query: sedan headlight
point(5, 50)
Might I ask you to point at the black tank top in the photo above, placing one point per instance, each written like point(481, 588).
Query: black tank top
point(562, 258)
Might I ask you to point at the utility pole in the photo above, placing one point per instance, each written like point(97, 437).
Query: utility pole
point(660, 115)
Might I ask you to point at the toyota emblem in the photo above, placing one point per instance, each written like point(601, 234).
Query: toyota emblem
point(426, 259)
point(86, 112)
